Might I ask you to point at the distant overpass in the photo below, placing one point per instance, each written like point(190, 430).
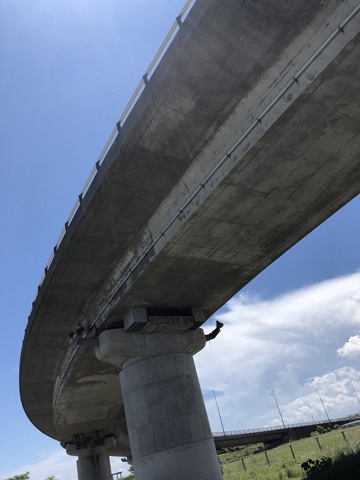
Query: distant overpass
point(271, 435)
point(244, 139)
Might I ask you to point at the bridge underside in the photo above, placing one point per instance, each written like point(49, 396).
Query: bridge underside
point(166, 224)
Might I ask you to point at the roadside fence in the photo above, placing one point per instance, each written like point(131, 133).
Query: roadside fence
point(298, 451)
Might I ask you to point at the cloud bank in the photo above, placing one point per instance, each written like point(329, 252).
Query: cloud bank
point(352, 347)
point(61, 465)
point(292, 344)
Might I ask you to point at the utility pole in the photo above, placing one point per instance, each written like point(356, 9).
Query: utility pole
point(327, 416)
point(217, 406)
point(282, 420)
point(356, 395)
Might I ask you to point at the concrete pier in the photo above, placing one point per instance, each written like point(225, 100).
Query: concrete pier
point(169, 431)
point(95, 467)
point(93, 461)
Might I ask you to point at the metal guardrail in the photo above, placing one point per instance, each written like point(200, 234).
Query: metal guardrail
point(175, 27)
point(116, 476)
point(280, 427)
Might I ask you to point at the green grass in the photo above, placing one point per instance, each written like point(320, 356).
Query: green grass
point(282, 464)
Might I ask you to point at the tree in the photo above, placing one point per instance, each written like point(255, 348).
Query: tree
point(23, 476)
point(26, 476)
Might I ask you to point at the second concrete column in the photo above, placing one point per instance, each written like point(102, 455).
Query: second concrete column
point(95, 467)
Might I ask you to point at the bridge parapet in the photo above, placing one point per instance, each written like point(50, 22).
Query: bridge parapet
point(338, 421)
point(270, 434)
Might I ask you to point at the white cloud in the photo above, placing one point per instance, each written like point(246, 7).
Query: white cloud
point(277, 345)
point(56, 463)
point(351, 347)
point(336, 389)
point(61, 465)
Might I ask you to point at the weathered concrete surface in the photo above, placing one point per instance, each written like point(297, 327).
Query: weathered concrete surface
point(293, 170)
point(117, 346)
point(95, 467)
point(169, 430)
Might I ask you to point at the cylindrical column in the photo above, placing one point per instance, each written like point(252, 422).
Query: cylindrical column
point(94, 467)
point(93, 457)
point(169, 431)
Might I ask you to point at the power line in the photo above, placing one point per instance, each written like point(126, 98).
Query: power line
point(282, 420)
point(327, 416)
point(219, 413)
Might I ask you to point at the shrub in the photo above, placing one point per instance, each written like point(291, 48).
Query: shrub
point(320, 429)
point(346, 465)
point(311, 466)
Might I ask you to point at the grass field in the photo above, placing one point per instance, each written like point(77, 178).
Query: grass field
point(281, 459)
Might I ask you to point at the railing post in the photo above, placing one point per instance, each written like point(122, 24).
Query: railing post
point(267, 459)
point(243, 464)
point(317, 440)
point(346, 440)
point(292, 452)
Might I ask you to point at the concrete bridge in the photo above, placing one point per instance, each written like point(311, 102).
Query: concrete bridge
point(271, 436)
point(244, 139)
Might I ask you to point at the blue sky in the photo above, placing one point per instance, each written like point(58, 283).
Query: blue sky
point(68, 69)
